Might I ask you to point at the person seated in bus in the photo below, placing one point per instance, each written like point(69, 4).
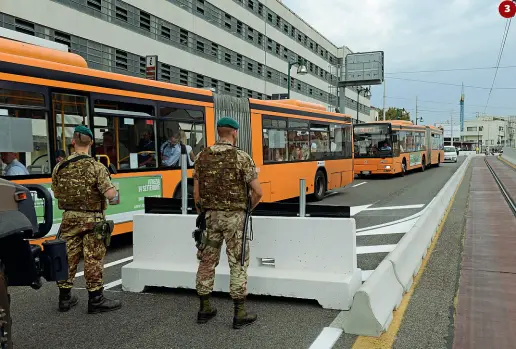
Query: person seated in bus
point(107, 148)
point(14, 167)
point(171, 151)
point(278, 156)
point(146, 144)
point(60, 155)
point(385, 147)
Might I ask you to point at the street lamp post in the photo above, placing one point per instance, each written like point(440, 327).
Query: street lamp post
point(367, 93)
point(301, 70)
point(419, 119)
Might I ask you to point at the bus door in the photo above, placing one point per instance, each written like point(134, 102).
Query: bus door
point(429, 146)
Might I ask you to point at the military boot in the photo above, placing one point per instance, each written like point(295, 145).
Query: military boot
point(67, 300)
point(100, 304)
point(242, 317)
point(206, 311)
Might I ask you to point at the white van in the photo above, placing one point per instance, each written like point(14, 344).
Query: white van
point(450, 154)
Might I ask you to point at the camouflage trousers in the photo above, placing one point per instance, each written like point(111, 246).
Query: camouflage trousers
point(224, 226)
point(82, 242)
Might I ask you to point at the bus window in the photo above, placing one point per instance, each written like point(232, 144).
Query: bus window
point(402, 140)
point(275, 140)
point(340, 137)
point(319, 141)
point(372, 141)
point(124, 134)
point(24, 147)
point(179, 126)
point(69, 111)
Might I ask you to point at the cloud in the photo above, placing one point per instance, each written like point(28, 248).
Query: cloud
point(424, 35)
point(410, 32)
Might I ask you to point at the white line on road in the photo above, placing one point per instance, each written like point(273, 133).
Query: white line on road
point(398, 228)
point(404, 207)
point(356, 185)
point(327, 338)
point(415, 215)
point(375, 249)
point(120, 261)
point(112, 284)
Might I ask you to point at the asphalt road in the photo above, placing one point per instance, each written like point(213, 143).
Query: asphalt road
point(161, 318)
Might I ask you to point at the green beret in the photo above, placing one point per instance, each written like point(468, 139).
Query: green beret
point(83, 130)
point(228, 122)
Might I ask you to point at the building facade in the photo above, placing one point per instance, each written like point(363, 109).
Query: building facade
point(486, 132)
point(236, 47)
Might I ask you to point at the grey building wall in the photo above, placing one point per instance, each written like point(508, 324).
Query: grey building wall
point(240, 47)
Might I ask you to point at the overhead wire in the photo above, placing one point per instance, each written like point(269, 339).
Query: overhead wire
point(500, 54)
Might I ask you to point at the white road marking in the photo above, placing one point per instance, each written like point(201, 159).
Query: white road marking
point(404, 207)
point(366, 274)
point(327, 338)
point(375, 249)
point(415, 215)
point(359, 184)
point(112, 284)
point(354, 210)
point(399, 228)
point(120, 261)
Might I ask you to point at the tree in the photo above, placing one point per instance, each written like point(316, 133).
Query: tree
point(396, 114)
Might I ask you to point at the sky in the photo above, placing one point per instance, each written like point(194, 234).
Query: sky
point(426, 35)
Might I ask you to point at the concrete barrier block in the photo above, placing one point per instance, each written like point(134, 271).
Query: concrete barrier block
point(374, 302)
point(309, 258)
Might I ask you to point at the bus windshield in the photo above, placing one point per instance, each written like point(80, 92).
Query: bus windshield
point(372, 141)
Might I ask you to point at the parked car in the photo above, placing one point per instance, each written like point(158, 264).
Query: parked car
point(450, 154)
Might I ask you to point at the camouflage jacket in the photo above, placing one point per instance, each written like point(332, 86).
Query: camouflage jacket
point(80, 187)
point(223, 173)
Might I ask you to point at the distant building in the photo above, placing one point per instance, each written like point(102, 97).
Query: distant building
point(486, 132)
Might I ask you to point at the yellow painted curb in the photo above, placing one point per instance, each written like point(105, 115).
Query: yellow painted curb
point(507, 162)
point(386, 339)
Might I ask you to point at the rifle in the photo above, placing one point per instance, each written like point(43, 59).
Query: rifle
point(244, 236)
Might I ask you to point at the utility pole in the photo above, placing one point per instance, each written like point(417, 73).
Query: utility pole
point(384, 88)
point(416, 112)
point(451, 128)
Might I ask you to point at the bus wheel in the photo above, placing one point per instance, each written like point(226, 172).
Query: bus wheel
point(319, 186)
point(403, 168)
point(179, 195)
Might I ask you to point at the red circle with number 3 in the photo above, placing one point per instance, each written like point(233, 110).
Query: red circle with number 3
point(507, 9)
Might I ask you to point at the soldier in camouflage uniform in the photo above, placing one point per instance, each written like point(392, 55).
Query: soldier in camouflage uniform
point(81, 187)
point(223, 176)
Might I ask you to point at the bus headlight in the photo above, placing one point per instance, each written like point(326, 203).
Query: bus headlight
point(387, 167)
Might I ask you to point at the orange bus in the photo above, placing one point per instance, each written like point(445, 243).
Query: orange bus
point(395, 147)
point(137, 124)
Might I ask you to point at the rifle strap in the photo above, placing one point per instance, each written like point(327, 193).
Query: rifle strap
point(69, 161)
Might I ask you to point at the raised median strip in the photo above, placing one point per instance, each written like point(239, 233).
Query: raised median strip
point(377, 298)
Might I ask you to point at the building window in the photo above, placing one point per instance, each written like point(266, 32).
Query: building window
point(145, 21)
point(95, 4)
point(121, 13)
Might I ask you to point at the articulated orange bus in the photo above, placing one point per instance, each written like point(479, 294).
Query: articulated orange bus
point(395, 147)
point(137, 123)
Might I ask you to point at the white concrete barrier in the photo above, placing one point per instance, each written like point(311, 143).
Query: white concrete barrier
point(509, 154)
point(375, 300)
point(408, 255)
point(467, 152)
point(309, 258)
